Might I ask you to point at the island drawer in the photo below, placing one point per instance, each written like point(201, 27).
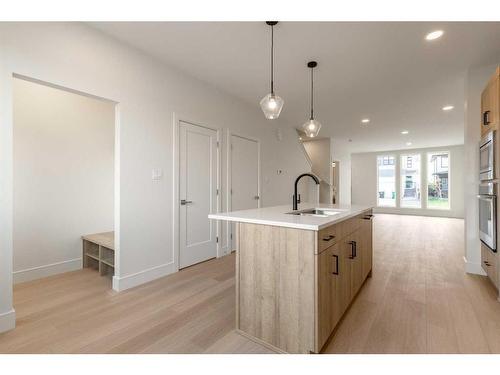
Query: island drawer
point(329, 236)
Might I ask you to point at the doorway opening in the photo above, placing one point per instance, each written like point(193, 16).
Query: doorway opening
point(243, 178)
point(335, 168)
point(64, 182)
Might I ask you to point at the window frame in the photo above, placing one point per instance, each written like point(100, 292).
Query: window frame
point(449, 180)
point(395, 166)
point(424, 181)
point(414, 181)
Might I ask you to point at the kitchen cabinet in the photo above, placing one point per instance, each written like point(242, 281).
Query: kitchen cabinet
point(489, 262)
point(331, 280)
point(349, 262)
point(293, 284)
point(490, 104)
point(353, 255)
point(367, 244)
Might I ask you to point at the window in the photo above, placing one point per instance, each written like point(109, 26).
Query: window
point(386, 181)
point(410, 181)
point(438, 180)
point(387, 160)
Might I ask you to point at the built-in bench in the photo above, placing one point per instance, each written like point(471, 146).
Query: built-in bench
point(99, 252)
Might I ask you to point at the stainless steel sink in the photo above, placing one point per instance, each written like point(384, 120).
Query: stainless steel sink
point(318, 212)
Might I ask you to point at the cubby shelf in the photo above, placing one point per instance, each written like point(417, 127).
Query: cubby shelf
point(99, 252)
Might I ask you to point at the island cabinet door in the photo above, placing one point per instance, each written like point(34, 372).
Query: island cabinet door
point(354, 255)
point(346, 272)
point(366, 250)
point(330, 305)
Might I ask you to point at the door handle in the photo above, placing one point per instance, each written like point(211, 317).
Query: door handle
point(486, 118)
point(336, 272)
point(256, 197)
point(184, 202)
point(329, 238)
point(353, 249)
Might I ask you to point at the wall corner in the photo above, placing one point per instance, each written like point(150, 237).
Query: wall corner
point(7, 321)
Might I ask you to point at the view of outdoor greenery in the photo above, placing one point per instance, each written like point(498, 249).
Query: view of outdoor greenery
point(436, 178)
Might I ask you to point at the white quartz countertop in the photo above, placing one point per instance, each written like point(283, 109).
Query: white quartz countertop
point(277, 216)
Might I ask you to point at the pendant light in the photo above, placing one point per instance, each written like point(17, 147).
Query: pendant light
point(272, 104)
point(311, 127)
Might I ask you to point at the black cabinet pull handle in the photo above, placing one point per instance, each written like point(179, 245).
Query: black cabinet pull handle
point(486, 118)
point(336, 272)
point(353, 249)
point(486, 263)
point(330, 237)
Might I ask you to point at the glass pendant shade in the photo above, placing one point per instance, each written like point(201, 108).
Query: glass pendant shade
point(271, 105)
point(311, 128)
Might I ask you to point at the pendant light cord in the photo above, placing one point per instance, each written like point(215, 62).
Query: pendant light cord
point(312, 94)
point(272, 60)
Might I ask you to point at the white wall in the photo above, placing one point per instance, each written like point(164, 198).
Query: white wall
point(319, 153)
point(63, 177)
point(364, 181)
point(148, 92)
point(340, 151)
point(475, 82)
point(320, 156)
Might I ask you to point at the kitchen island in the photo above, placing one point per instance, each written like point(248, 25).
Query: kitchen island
point(297, 272)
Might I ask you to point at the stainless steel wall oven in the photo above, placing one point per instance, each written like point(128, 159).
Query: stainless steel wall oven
point(487, 214)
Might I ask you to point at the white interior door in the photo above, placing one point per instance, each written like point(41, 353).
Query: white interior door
point(244, 176)
point(198, 194)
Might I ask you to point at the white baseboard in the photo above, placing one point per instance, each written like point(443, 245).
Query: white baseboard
point(474, 268)
point(153, 273)
point(7, 320)
point(46, 270)
point(417, 212)
point(224, 251)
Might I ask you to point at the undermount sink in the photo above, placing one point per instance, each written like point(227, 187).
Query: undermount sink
point(318, 212)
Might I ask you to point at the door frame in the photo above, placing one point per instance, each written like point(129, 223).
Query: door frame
point(229, 185)
point(116, 161)
point(177, 119)
point(335, 178)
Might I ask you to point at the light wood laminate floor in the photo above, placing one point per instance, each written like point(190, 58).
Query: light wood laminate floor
point(419, 300)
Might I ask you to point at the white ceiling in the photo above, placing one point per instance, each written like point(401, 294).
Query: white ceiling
point(385, 71)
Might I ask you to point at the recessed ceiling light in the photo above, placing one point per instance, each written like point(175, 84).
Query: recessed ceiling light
point(405, 132)
point(365, 120)
point(434, 35)
point(408, 143)
point(448, 108)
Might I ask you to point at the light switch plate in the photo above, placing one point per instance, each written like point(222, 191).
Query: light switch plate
point(156, 174)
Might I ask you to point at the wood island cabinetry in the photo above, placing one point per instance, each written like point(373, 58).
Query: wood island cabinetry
point(294, 285)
